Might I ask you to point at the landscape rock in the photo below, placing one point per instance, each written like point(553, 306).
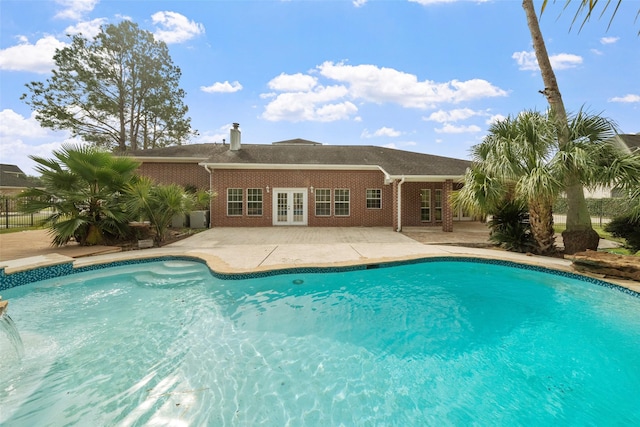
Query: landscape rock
point(607, 264)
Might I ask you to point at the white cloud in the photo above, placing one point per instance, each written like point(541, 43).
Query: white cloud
point(14, 125)
point(215, 136)
point(442, 116)
point(449, 128)
point(304, 98)
point(629, 98)
point(36, 58)
point(293, 82)
point(15, 129)
point(88, 29)
point(609, 40)
point(225, 87)
point(383, 131)
point(563, 61)
point(175, 28)
point(596, 51)
point(16, 152)
point(381, 85)
point(494, 119)
point(323, 104)
point(359, 3)
point(527, 61)
point(333, 112)
point(75, 9)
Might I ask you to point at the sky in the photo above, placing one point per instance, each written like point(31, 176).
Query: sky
point(425, 76)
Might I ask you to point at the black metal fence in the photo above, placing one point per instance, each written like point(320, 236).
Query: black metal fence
point(12, 217)
point(601, 210)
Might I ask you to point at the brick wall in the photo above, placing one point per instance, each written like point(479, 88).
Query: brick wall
point(447, 214)
point(184, 174)
point(190, 174)
point(411, 203)
point(356, 181)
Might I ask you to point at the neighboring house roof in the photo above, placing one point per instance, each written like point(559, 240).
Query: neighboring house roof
point(12, 176)
point(303, 154)
point(632, 141)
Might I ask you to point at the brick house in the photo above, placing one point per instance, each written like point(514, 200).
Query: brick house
point(300, 182)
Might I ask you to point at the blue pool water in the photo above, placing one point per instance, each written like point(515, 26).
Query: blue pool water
point(435, 343)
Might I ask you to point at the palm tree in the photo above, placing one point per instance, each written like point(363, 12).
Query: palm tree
point(157, 203)
point(579, 234)
point(511, 165)
point(522, 160)
point(587, 7)
point(82, 185)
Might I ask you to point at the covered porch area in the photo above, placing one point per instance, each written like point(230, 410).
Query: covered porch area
point(424, 201)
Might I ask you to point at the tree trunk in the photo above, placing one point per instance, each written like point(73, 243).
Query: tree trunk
point(541, 221)
point(579, 233)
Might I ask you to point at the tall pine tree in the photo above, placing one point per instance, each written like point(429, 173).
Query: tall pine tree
point(119, 91)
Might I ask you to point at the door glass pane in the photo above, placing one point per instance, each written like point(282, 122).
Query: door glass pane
point(298, 207)
point(282, 207)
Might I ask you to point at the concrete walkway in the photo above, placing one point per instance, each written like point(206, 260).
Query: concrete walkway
point(243, 250)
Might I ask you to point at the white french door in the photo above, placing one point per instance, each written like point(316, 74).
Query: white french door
point(289, 206)
point(462, 215)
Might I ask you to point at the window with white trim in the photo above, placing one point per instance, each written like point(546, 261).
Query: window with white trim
point(425, 205)
point(323, 201)
point(437, 205)
point(234, 201)
point(254, 201)
point(374, 198)
point(341, 202)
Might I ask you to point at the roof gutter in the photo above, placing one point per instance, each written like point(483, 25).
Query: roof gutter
point(424, 178)
point(284, 166)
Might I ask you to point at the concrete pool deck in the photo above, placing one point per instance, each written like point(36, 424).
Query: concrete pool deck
point(244, 250)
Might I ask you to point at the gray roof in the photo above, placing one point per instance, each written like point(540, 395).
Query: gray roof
point(306, 153)
point(194, 151)
point(631, 140)
point(12, 176)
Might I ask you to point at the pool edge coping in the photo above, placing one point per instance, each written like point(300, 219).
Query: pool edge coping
point(64, 266)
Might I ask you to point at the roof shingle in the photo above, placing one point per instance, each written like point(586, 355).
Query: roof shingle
point(298, 152)
point(12, 176)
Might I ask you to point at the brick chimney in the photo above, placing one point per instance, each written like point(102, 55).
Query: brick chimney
point(235, 138)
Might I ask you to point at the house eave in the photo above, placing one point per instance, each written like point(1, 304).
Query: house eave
point(424, 178)
point(306, 166)
point(282, 166)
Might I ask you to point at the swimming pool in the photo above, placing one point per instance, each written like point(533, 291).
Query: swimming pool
point(440, 342)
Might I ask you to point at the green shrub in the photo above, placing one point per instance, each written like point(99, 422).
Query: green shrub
point(628, 228)
point(606, 208)
point(510, 228)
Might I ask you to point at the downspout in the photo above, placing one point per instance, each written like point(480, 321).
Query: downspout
point(400, 204)
point(206, 167)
